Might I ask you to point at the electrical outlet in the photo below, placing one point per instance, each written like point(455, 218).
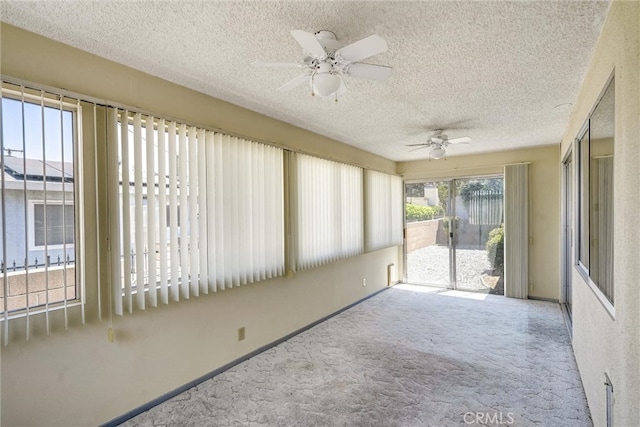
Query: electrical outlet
point(364, 282)
point(241, 333)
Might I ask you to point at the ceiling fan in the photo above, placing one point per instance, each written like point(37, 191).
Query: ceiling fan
point(438, 142)
point(326, 61)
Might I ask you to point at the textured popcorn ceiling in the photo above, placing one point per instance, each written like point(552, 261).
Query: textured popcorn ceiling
point(501, 73)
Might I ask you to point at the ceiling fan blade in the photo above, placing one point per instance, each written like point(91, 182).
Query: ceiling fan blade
point(294, 83)
point(362, 49)
point(369, 71)
point(309, 43)
point(277, 64)
point(424, 144)
point(461, 140)
point(419, 148)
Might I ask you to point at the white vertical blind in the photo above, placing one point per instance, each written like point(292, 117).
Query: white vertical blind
point(208, 210)
point(245, 180)
point(383, 210)
point(329, 211)
point(516, 231)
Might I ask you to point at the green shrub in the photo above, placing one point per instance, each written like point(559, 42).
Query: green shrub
point(450, 219)
point(495, 248)
point(422, 213)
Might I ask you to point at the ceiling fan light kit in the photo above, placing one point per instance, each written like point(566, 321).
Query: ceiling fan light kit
point(327, 61)
point(437, 153)
point(323, 82)
point(437, 143)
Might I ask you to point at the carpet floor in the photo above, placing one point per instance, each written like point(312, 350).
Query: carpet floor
point(410, 356)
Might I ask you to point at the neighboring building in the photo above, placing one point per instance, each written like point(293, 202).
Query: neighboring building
point(39, 251)
point(41, 207)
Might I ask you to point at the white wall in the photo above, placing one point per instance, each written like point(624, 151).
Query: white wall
point(77, 377)
point(602, 343)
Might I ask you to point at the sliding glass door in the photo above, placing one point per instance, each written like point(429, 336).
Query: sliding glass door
point(454, 233)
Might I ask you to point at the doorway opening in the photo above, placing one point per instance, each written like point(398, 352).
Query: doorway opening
point(455, 233)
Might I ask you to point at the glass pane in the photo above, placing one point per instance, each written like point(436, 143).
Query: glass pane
point(427, 233)
point(479, 235)
point(583, 217)
point(601, 148)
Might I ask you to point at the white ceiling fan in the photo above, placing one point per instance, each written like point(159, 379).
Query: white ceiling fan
point(326, 61)
point(438, 142)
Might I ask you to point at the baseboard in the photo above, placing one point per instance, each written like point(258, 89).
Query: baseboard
point(567, 320)
point(544, 299)
point(143, 408)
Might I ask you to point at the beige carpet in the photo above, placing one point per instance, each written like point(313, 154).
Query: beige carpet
point(410, 356)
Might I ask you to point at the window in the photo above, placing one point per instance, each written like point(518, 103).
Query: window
point(53, 224)
point(329, 211)
point(37, 212)
point(595, 192)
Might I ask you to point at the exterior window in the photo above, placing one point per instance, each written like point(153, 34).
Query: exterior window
point(595, 184)
point(37, 209)
point(57, 228)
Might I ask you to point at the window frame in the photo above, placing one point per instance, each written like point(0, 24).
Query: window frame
point(583, 206)
point(40, 97)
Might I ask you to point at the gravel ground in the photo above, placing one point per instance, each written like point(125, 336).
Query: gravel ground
point(430, 265)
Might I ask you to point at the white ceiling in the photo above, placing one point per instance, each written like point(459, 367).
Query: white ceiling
point(499, 72)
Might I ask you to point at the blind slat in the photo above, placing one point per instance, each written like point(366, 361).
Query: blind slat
point(202, 211)
point(173, 211)
point(126, 248)
point(151, 213)
point(139, 208)
point(183, 155)
point(194, 247)
point(115, 219)
point(162, 212)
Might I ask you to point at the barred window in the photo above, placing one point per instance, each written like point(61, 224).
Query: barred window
point(37, 212)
